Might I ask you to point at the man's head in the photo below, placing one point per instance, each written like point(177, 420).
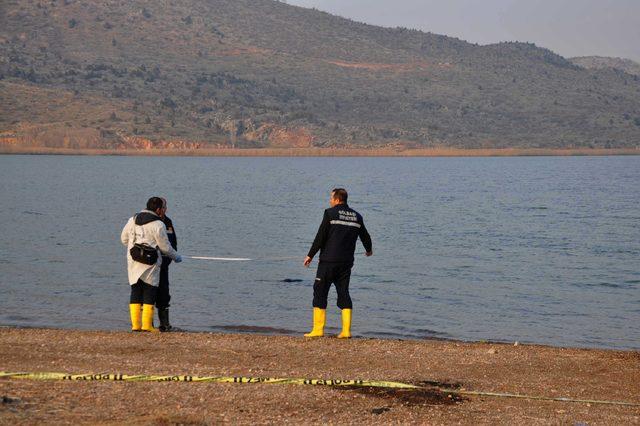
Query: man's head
point(155, 205)
point(164, 207)
point(338, 196)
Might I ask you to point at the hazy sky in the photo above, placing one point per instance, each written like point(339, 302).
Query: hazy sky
point(568, 27)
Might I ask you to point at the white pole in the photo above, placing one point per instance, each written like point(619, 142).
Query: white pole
point(228, 259)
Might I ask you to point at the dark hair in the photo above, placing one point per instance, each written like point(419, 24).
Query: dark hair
point(340, 194)
point(154, 203)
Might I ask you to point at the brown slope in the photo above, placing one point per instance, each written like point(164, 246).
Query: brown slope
point(240, 72)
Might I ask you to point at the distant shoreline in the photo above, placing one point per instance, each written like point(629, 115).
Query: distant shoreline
point(327, 152)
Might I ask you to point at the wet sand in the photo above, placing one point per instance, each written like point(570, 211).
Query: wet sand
point(491, 367)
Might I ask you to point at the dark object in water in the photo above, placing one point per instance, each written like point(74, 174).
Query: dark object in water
point(291, 280)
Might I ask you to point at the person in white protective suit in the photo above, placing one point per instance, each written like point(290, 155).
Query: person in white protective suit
point(145, 237)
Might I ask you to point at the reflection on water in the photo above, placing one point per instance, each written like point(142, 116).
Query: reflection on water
point(538, 250)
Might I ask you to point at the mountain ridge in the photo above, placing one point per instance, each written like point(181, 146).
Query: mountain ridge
point(606, 62)
point(257, 74)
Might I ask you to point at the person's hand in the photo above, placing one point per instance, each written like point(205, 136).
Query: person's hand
point(369, 253)
point(307, 261)
point(178, 259)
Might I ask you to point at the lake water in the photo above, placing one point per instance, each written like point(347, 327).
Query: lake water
point(539, 249)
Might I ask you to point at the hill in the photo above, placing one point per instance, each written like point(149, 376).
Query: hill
point(260, 73)
point(604, 62)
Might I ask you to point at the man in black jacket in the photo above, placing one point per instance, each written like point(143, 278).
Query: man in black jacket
point(163, 297)
point(336, 240)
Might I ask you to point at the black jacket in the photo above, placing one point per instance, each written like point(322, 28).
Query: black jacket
point(336, 238)
point(171, 233)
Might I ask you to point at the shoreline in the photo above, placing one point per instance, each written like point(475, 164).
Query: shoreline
point(243, 330)
point(526, 370)
point(327, 152)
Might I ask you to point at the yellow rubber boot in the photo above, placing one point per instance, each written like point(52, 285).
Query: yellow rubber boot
point(346, 324)
point(319, 319)
point(135, 309)
point(147, 318)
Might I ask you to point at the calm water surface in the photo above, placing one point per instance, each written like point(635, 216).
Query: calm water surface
point(542, 250)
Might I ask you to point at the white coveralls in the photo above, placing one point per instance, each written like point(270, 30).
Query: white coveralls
point(153, 234)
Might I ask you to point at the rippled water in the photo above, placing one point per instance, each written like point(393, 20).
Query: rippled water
point(541, 249)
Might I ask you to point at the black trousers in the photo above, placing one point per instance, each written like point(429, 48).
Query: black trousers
point(143, 293)
point(332, 273)
point(162, 301)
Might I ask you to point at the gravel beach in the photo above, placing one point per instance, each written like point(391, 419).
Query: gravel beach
point(488, 367)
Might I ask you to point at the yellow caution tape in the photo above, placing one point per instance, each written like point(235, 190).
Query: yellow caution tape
point(538, 398)
point(204, 379)
point(285, 381)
